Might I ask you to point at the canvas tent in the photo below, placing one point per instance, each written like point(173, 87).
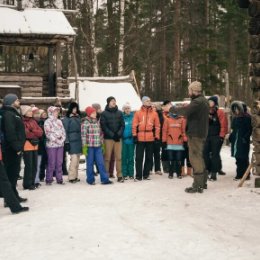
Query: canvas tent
point(97, 92)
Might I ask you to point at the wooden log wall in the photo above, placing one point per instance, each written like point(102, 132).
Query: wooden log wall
point(31, 86)
point(62, 87)
point(254, 73)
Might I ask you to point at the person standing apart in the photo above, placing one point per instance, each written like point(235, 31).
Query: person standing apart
point(197, 114)
point(92, 140)
point(72, 125)
point(113, 124)
point(146, 131)
point(218, 128)
point(128, 144)
point(30, 155)
point(55, 138)
point(241, 130)
point(14, 139)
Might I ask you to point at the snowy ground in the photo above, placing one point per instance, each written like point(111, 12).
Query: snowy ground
point(146, 220)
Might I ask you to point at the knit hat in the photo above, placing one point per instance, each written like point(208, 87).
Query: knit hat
point(9, 99)
point(90, 110)
point(109, 99)
point(126, 105)
point(96, 106)
point(25, 109)
point(214, 99)
point(195, 86)
point(145, 98)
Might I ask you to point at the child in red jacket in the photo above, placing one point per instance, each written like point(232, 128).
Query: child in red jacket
point(33, 133)
point(173, 138)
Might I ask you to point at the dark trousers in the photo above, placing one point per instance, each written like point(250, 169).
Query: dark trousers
point(64, 163)
point(175, 158)
point(43, 165)
point(12, 162)
point(7, 191)
point(156, 157)
point(211, 154)
point(165, 162)
point(186, 157)
point(30, 168)
point(242, 165)
point(141, 148)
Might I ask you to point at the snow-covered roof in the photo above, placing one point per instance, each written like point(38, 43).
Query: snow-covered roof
point(95, 92)
point(34, 21)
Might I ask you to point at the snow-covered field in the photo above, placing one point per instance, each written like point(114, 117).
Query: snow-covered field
point(146, 220)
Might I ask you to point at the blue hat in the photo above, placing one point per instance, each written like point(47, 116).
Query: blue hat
point(145, 98)
point(9, 99)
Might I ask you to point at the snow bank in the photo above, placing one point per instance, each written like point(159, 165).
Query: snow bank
point(94, 92)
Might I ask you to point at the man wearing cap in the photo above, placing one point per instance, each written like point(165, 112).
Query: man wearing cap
point(14, 139)
point(145, 130)
point(196, 113)
point(112, 124)
point(218, 128)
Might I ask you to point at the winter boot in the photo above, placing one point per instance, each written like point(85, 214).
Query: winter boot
point(213, 176)
point(170, 175)
point(221, 172)
point(194, 190)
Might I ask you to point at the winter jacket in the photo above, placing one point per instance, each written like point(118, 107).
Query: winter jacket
point(240, 135)
point(91, 133)
point(42, 140)
point(54, 130)
point(72, 125)
point(33, 132)
point(197, 115)
point(218, 124)
point(127, 134)
point(146, 125)
point(13, 129)
point(174, 130)
point(112, 122)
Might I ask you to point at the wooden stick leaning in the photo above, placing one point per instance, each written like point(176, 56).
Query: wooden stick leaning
point(247, 172)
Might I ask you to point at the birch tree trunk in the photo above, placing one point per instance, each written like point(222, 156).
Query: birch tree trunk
point(121, 38)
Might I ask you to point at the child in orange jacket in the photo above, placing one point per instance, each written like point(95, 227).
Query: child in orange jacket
point(173, 138)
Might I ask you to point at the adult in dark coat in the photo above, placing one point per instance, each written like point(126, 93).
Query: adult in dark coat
point(112, 124)
point(73, 143)
point(14, 139)
point(240, 137)
point(197, 114)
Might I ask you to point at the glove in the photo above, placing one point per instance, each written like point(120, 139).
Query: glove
point(116, 138)
point(85, 150)
point(103, 148)
point(135, 140)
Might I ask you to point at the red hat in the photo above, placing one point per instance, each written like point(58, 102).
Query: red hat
point(90, 110)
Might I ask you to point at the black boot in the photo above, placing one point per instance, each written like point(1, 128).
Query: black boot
point(170, 175)
point(21, 210)
point(194, 190)
point(213, 176)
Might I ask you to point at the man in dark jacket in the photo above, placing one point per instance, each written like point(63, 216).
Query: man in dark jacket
point(14, 139)
point(112, 124)
point(196, 113)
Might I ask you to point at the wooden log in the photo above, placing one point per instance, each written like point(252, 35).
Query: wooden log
point(254, 69)
point(254, 42)
point(256, 107)
point(20, 78)
point(245, 176)
point(254, 8)
point(254, 26)
point(243, 3)
point(256, 134)
point(255, 121)
point(256, 170)
point(257, 182)
point(256, 159)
